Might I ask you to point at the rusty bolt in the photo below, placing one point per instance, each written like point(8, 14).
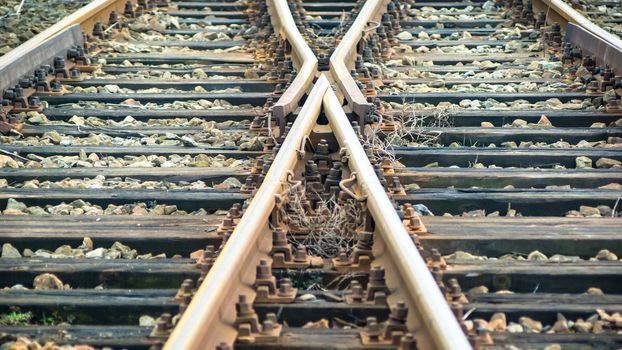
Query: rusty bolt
point(355, 290)
point(342, 257)
point(263, 269)
point(184, 304)
point(267, 327)
point(223, 346)
point(373, 329)
point(159, 330)
point(243, 307)
point(301, 254)
point(399, 312)
point(285, 287)
point(408, 342)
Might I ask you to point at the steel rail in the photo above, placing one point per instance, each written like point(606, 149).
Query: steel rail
point(567, 14)
point(95, 11)
point(305, 61)
point(604, 46)
point(429, 314)
point(55, 40)
point(343, 58)
point(209, 317)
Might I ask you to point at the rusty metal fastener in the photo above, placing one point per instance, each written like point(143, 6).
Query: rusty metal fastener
point(396, 322)
point(377, 289)
point(162, 327)
point(186, 289)
point(412, 221)
point(265, 285)
point(437, 259)
point(455, 291)
point(249, 329)
point(458, 311)
point(361, 256)
point(408, 342)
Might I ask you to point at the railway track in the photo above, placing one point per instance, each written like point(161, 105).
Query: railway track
point(286, 175)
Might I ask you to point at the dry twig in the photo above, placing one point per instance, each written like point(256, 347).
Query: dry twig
point(328, 233)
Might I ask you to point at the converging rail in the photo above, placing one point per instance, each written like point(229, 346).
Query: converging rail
point(343, 58)
point(304, 59)
point(407, 272)
point(216, 296)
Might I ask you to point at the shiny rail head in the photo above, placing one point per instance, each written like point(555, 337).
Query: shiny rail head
point(303, 58)
point(438, 328)
point(209, 318)
point(343, 58)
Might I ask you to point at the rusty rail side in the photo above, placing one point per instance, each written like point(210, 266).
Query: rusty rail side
point(564, 14)
point(305, 61)
point(408, 276)
point(604, 46)
point(343, 58)
point(57, 45)
point(603, 52)
point(55, 40)
point(209, 317)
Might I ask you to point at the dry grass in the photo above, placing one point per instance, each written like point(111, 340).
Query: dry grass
point(328, 233)
point(410, 130)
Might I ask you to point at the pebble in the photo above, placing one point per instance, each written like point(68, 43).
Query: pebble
point(544, 121)
point(614, 140)
point(606, 255)
point(583, 162)
point(611, 186)
point(608, 163)
point(573, 214)
point(404, 35)
point(553, 347)
point(537, 256)
point(64, 250)
point(412, 187)
point(497, 323)
point(16, 205)
point(8, 251)
point(530, 325)
point(146, 321)
point(47, 281)
point(7, 162)
point(478, 290)
point(76, 120)
point(594, 291)
point(582, 327)
point(564, 258)
point(605, 210)
point(98, 253)
point(307, 297)
point(561, 326)
point(589, 211)
point(475, 213)
point(230, 182)
point(514, 328)
point(460, 255)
